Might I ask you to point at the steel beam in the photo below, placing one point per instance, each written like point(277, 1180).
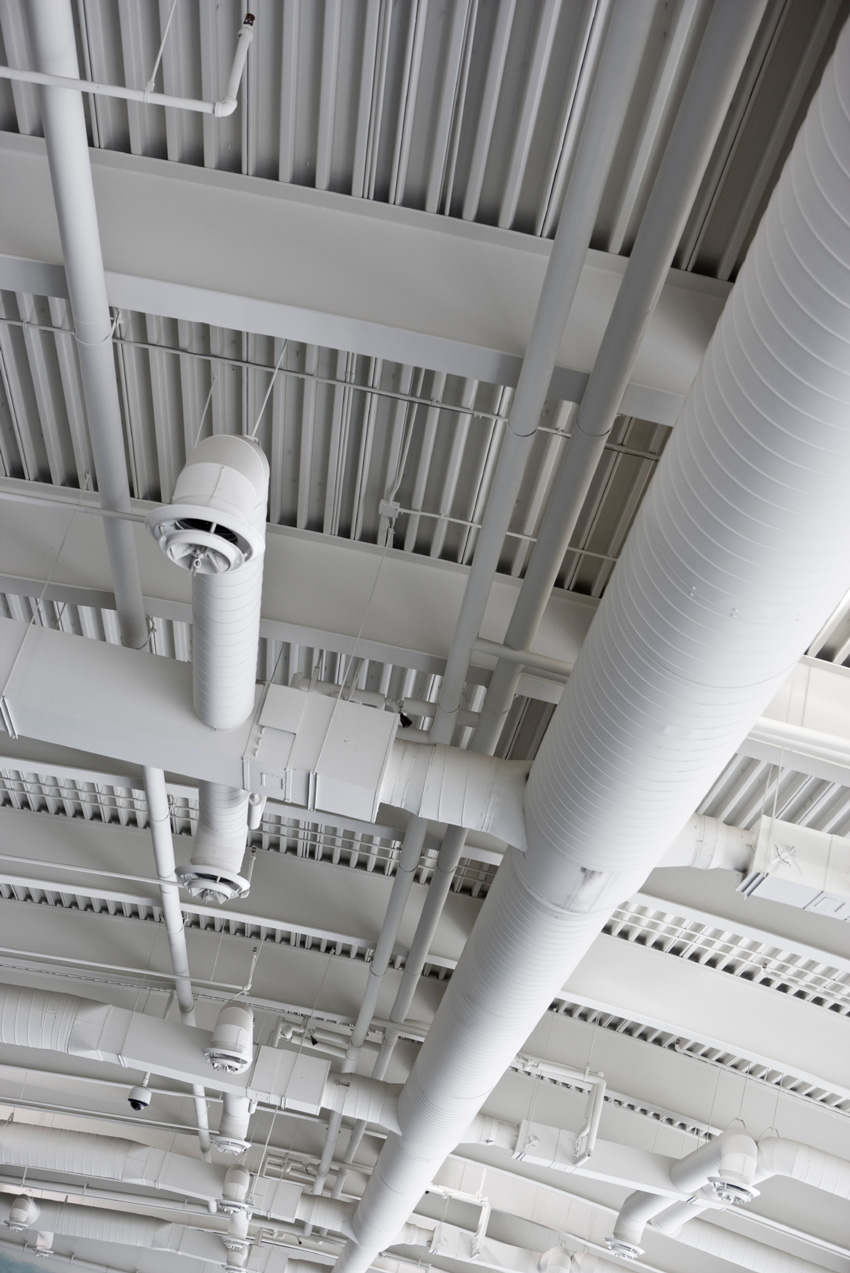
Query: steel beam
point(308, 265)
point(47, 535)
point(676, 996)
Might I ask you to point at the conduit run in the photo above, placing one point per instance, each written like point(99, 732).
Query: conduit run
point(736, 558)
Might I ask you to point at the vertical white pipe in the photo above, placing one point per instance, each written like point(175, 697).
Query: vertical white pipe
point(163, 849)
point(52, 35)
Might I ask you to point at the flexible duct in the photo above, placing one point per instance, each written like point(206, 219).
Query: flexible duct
point(739, 552)
point(775, 1157)
point(727, 1163)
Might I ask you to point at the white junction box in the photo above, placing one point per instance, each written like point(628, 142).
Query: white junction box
point(320, 752)
point(801, 867)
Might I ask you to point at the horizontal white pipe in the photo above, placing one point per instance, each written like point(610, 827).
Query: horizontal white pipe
point(224, 106)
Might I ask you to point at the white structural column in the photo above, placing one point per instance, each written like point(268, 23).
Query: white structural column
point(738, 555)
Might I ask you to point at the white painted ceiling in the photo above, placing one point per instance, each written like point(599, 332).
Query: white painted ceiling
point(378, 123)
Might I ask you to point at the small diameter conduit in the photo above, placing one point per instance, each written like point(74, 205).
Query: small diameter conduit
point(726, 43)
point(738, 554)
point(613, 81)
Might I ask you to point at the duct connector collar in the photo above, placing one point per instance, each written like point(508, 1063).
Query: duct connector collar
point(214, 872)
point(234, 1194)
point(23, 1214)
point(623, 1249)
point(216, 520)
point(232, 1134)
point(733, 1183)
point(232, 1045)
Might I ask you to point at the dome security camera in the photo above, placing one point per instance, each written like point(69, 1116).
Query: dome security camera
point(139, 1097)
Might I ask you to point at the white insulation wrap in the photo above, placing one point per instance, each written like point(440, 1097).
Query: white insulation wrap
point(47, 1019)
point(780, 1157)
point(740, 1252)
point(461, 788)
point(711, 845)
point(107, 1157)
point(739, 553)
point(100, 1224)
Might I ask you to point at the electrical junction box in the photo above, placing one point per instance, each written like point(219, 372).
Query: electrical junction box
point(289, 1079)
point(800, 867)
point(320, 752)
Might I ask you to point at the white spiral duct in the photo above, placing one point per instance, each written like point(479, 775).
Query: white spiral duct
point(739, 553)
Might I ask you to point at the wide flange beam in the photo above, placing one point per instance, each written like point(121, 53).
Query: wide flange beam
point(308, 265)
